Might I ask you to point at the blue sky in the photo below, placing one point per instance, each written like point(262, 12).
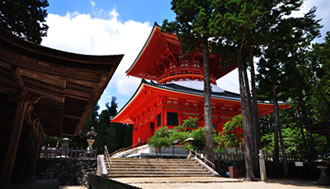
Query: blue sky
point(105, 27)
point(138, 10)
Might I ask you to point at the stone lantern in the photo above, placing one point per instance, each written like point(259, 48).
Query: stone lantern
point(91, 134)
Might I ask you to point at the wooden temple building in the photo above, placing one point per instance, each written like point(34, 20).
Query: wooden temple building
point(175, 90)
point(43, 92)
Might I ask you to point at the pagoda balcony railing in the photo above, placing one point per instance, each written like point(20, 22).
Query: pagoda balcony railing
point(184, 73)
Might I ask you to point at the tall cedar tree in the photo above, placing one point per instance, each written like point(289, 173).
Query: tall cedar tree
point(191, 26)
point(24, 18)
point(245, 25)
point(290, 35)
point(236, 24)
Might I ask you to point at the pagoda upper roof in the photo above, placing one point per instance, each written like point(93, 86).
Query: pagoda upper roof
point(163, 47)
point(151, 90)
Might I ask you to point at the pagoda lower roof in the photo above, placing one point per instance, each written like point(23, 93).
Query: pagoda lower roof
point(151, 90)
point(182, 89)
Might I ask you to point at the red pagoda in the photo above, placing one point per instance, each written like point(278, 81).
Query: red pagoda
point(177, 92)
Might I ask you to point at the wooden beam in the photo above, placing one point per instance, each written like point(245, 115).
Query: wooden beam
point(83, 82)
point(15, 135)
point(42, 84)
point(18, 78)
point(76, 93)
point(4, 64)
point(44, 94)
point(72, 116)
point(45, 78)
point(76, 97)
point(8, 90)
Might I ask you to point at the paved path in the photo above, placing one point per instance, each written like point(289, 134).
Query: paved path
point(212, 183)
point(217, 183)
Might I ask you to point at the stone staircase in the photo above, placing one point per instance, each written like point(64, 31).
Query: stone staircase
point(133, 167)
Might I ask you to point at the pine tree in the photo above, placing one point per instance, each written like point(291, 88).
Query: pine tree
point(24, 18)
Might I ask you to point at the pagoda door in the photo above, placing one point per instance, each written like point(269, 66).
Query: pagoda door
point(152, 129)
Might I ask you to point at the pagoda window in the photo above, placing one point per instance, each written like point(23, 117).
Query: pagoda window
point(159, 119)
point(172, 119)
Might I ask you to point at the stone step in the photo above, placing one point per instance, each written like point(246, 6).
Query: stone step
point(148, 163)
point(155, 161)
point(151, 163)
point(124, 170)
point(162, 175)
point(156, 167)
point(166, 159)
point(125, 167)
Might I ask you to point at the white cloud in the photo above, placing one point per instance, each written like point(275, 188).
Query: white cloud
point(93, 3)
point(85, 34)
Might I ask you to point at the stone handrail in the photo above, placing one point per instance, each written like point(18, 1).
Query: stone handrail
point(101, 166)
point(107, 156)
point(121, 150)
point(193, 153)
point(129, 151)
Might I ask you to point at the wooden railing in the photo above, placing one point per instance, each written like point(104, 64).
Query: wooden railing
point(193, 153)
point(74, 153)
point(107, 156)
point(232, 156)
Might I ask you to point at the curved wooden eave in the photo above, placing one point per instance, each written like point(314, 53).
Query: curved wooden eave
point(68, 84)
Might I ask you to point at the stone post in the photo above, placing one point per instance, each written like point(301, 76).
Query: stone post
point(262, 166)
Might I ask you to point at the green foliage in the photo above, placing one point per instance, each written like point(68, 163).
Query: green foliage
point(191, 23)
point(165, 137)
point(190, 123)
point(293, 135)
point(198, 144)
point(24, 18)
point(228, 137)
point(161, 138)
point(320, 98)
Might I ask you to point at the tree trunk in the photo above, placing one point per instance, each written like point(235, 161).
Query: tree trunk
point(308, 123)
point(254, 114)
point(251, 119)
point(245, 119)
point(276, 125)
point(302, 134)
point(279, 126)
point(209, 146)
point(284, 161)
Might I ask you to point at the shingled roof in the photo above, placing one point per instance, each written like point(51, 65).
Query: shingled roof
point(179, 88)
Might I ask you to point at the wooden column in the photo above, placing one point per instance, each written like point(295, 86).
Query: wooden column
point(15, 135)
point(35, 158)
